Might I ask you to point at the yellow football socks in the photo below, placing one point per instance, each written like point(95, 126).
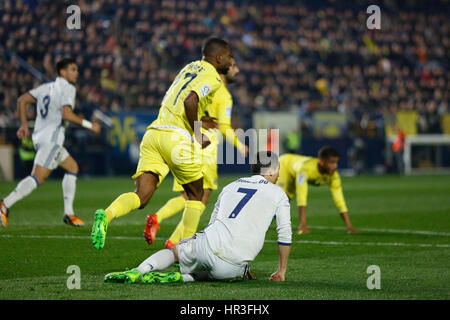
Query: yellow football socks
point(172, 207)
point(177, 233)
point(123, 205)
point(191, 217)
point(189, 223)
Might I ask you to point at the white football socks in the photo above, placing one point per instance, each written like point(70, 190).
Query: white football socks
point(160, 260)
point(23, 189)
point(187, 277)
point(69, 183)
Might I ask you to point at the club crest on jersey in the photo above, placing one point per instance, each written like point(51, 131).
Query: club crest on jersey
point(205, 90)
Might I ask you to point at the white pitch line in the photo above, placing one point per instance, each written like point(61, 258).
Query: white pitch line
point(334, 243)
point(381, 230)
point(405, 231)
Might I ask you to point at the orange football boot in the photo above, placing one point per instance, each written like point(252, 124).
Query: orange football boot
point(151, 227)
point(73, 220)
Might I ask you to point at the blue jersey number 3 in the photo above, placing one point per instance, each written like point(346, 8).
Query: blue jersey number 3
point(46, 102)
point(248, 195)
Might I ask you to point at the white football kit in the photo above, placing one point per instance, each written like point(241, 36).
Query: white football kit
point(48, 134)
point(235, 235)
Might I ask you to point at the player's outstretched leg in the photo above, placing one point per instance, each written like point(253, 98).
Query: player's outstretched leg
point(146, 185)
point(23, 189)
point(99, 229)
point(123, 205)
point(129, 276)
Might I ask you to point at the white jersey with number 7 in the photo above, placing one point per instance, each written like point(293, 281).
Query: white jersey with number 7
point(242, 215)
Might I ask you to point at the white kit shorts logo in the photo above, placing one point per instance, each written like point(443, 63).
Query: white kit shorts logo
point(205, 90)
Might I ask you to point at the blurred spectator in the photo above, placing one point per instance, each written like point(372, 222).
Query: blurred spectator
point(398, 147)
point(311, 55)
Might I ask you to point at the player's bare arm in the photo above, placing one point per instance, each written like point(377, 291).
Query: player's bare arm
point(67, 114)
point(283, 256)
point(302, 229)
point(348, 224)
point(191, 108)
point(23, 102)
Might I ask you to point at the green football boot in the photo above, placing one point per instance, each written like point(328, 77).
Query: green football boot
point(99, 229)
point(160, 277)
point(129, 276)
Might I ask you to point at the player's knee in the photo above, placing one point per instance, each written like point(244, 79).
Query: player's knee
point(196, 195)
point(146, 185)
point(74, 169)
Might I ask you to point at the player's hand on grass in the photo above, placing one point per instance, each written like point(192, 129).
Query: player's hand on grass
point(303, 230)
point(276, 276)
point(96, 127)
point(209, 122)
point(23, 132)
point(352, 231)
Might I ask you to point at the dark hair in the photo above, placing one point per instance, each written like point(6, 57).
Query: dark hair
point(328, 152)
point(64, 63)
point(213, 46)
point(263, 160)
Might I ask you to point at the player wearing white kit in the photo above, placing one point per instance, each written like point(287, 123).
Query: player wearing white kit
point(55, 102)
point(234, 237)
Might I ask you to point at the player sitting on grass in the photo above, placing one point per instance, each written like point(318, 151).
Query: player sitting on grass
point(55, 101)
point(234, 237)
point(297, 172)
point(219, 109)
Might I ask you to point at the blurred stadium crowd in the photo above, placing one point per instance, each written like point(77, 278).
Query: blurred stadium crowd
point(306, 55)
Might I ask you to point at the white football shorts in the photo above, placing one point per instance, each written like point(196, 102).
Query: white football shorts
point(50, 155)
point(195, 255)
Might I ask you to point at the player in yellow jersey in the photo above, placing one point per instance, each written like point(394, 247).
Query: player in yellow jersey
point(220, 109)
point(297, 172)
point(168, 143)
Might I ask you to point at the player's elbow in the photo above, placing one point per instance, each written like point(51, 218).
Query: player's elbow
point(66, 112)
point(25, 99)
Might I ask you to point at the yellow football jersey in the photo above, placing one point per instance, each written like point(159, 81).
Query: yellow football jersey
point(297, 172)
point(199, 76)
point(221, 109)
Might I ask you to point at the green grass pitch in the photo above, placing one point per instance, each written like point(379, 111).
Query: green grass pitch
point(405, 223)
